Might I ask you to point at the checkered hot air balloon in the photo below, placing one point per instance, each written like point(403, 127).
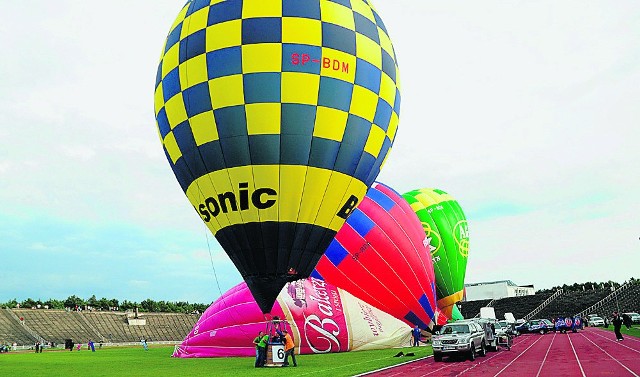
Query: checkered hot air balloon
point(276, 116)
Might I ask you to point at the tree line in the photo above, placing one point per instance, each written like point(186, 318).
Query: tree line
point(588, 286)
point(104, 304)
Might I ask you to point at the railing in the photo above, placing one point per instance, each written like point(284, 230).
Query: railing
point(89, 325)
point(607, 300)
point(543, 305)
point(34, 334)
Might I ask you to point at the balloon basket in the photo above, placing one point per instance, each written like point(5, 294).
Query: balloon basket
point(275, 355)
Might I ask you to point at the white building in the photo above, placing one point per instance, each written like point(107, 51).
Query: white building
point(495, 290)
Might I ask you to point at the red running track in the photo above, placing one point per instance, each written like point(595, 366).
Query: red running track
point(589, 352)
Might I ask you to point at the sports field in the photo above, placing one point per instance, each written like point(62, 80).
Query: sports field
point(135, 362)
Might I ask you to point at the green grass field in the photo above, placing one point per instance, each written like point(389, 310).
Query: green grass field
point(633, 331)
point(135, 362)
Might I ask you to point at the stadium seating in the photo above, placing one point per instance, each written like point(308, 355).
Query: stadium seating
point(104, 327)
point(12, 331)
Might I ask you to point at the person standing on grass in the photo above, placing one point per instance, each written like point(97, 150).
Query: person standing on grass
point(289, 349)
point(262, 349)
point(617, 324)
point(256, 341)
point(415, 333)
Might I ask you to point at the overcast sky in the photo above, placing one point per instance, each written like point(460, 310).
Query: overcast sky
point(527, 112)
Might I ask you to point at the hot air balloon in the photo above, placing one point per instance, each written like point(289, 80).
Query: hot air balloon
point(446, 228)
point(276, 116)
point(380, 255)
point(321, 318)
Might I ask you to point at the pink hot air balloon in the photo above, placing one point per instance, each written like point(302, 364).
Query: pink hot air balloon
point(381, 256)
point(321, 317)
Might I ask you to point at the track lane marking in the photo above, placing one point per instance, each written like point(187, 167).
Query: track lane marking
point(616, 342)
point(612, 358)
point(516, 358)
point(515, 344)
point(576, 355)
point(546, 354)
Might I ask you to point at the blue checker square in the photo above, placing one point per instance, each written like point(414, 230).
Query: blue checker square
point(297, 119)
point(366, 27)
point(181, 171)
point(211, 153)
point(301, 8)
point(357, 131)
point(381, 198)
point(346, 3)
point(361, 223)
point(348, 158)
point(426, 305)
point(411, 317)
point(379, 22)
point(262, 87)
point(231, 121)
point(192, 46)
point(236, 151)
point(224, 11)
point(316, 275)
point(396, 104)
point(224, 62)
point(294, 149)
point(171, 84)
point(338, 38)
point(364, 167)
point(262, 30)
point(264, 149)
point(335, 93)
point(375, 168)
point(173, 37)
point(197, 99)
point(300, 58)
point(159, 75)
point(196, 5)
point(383, 114)
point(187, 144)
point(388, 65)
point(163, 122)
point(368, 75)
point(336, 253)
point(323, 153)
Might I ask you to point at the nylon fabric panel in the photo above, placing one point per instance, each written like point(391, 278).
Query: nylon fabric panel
point(262, 120)
point(386, 265)
point(444, 221)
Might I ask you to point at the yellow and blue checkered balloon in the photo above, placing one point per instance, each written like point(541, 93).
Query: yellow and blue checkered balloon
point(276, 116)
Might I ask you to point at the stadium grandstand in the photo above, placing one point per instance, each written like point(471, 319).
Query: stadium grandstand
point(552, 304)
point(27, 326)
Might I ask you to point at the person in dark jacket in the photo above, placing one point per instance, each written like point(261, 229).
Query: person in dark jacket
point(617, 324)
point(626, 319)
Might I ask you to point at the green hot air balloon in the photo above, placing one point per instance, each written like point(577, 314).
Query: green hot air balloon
point(276, 116)
point(446, 228)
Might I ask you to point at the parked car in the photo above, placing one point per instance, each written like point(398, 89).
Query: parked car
point(635, 317)
point(595, 321)
point(459, 338)
point(534, 325)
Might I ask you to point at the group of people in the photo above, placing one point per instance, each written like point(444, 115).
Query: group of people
point(262, 342)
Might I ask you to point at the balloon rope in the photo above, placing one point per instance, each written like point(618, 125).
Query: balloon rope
point(215, 274)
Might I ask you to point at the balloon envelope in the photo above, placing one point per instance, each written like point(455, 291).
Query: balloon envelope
point(276, 116)
point(321, 318)
point(446, 227)
point(380, 255)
